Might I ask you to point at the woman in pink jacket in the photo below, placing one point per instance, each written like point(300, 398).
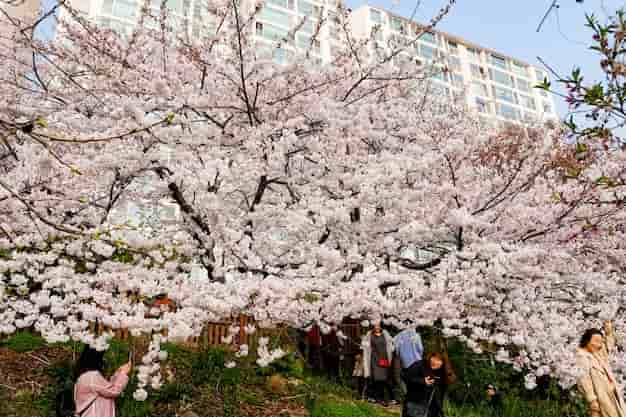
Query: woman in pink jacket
point(94, 395)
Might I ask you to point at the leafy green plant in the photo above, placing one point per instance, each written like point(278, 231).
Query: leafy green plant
point(24, 342)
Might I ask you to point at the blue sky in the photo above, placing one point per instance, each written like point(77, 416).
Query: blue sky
point(509, 26)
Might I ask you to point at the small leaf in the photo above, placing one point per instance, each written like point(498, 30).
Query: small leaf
point(170, 118)
point(41, 122)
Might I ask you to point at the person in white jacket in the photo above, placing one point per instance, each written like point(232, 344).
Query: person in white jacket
point(377, 347)
point(597, 382)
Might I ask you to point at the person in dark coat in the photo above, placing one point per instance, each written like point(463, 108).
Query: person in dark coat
point(426, 387)
point(494, 400)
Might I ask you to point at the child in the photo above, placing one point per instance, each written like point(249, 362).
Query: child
point(358, 373)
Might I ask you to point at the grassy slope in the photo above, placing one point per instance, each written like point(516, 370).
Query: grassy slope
point(31, 372)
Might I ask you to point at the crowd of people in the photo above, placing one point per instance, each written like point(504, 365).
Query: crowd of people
point(382, 361)
point(421, 379)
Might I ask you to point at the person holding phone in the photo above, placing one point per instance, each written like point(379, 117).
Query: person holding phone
point(94, 395)
point(426, 387)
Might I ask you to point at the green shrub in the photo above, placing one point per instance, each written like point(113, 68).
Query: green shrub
point(24, 342)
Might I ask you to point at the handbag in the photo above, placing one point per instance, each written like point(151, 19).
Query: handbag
point(384, 363)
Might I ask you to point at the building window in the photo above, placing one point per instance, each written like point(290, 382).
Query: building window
point(287, 4)
point(270, 32)
point(540, 75)
point(276, 17)
point(504, 94)
point(120, 8)
point(482, 106)
point(453, 48)
point(543, 93)
point(398, 25)
point(454, 63)
point(501, 77)
point(527, 102)
point(477, 72)
point(497, 61)
point(519, 69)
point(441, 75)
point(428, 37)
point(305, 8)
point(547, 108)
point(457, 80)
point(474, 54)
point(523, 85)
point(508, 112)
point(427, 52)
point(376, 16)
point(530, 116)
point(479, 89)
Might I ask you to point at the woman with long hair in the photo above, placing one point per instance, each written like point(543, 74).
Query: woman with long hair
point(426, 387)
point(597, 382)
point(94, 395)
point(377, 356)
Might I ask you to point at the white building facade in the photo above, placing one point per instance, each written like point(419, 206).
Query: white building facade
point(501, 88)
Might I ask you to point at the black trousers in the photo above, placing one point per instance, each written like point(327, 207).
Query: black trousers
point(379, 389)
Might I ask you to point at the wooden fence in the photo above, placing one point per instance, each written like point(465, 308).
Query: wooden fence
point(213, 334)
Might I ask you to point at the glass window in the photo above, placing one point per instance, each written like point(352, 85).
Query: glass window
point(519, 69)
point(275, 16)
point(376, 16)
point(427, 52)
point(271, 32)
point(540, 75)
point(523, 85)
point(501, 77)
point(477, 72)
point(479, 89)
point(441, 75)
point(530, 116)
point(281, 3)
point(107, 6)
point(543, 93)
point(508, 112)
point(527, 102)
point(398, 25)
point(547, 108)
point(457, 80)
point(482, 106)
point(125, 9)
point(306, 8)
point(429, 37)
point(504, 94)
point(497, 61)
point(454, 63)
point(474, 54)
point(453, 48)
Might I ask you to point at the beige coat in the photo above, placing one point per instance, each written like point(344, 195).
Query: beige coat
point(595, 383)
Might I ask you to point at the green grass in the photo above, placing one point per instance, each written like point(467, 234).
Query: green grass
point(336, 407)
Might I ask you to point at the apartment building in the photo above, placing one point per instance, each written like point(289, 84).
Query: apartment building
point(279, 19)
point(276, 22)
point(499, 87)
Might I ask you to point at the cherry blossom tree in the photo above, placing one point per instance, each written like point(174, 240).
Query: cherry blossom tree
point(305, 194)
